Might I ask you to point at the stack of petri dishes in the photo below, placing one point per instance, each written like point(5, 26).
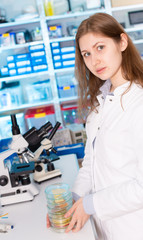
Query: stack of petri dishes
point(59, 201)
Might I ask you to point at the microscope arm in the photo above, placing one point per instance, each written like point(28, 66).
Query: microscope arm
point(45, 145)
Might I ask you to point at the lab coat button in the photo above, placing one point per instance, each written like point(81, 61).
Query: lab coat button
point(98, 128)
point(110, 100)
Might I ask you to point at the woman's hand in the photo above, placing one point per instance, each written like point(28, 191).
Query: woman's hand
point(48, 221)
point(79, 217)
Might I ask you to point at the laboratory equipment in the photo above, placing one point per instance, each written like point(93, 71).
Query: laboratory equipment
point(59, 201)
point(15, 182)
point(5, 227)
point(39, 142)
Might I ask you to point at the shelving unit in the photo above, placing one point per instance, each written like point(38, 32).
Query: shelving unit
point(43, 22)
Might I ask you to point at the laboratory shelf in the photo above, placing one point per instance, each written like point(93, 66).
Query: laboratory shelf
point(23, 107)
point(30, 75)
point(76, 14)
point(64, 70)
point(68, 99)
point(63, 39)
point(140, 41)
point(128, 7)
point(134, 29)
point(24, 45)
point(18, 23)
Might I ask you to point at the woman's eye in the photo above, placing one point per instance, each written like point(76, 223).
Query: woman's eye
point(86, 54)
point(100, 47)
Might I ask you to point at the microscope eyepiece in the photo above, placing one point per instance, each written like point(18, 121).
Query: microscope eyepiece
point(44, 129)
point(55, 128)
point(15, 127)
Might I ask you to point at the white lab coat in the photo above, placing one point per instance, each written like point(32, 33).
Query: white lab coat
point(113, 165)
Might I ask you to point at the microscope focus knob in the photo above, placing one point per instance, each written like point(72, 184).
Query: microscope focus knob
point(50, 167)
point(38, 168)
point(3, 180)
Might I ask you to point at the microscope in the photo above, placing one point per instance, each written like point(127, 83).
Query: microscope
point(39, 142)
point(15, 183)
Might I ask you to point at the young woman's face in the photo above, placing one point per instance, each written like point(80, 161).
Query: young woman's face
point(102, 55)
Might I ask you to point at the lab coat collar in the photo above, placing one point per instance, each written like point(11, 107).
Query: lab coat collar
point(121, 89)
point(105, 89)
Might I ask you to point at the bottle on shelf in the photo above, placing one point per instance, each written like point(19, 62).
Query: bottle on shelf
point(48, 6)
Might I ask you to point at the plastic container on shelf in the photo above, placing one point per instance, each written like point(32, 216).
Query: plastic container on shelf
point(5, 125)
point(59, 201)
point(36, 117)
point(38, 91)
point(70, 114)
point(63, 54)
point(10, 94)
point(67, 86)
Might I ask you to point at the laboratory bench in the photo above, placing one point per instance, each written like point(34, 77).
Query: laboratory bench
point(29, 218)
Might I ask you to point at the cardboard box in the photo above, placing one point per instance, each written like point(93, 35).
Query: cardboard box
point(115, 3)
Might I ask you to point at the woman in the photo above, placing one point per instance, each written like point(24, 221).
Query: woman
point(109, 185)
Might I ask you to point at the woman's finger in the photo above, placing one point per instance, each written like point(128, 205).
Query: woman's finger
point(48, 221)
point(71, 210)
point(71, 225)
point(77, 227)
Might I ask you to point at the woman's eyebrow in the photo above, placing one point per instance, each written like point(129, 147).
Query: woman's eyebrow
point(84, 50)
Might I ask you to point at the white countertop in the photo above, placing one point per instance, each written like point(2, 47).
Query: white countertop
point(29, 218)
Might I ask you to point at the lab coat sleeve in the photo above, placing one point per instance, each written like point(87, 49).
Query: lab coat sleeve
point(125, 197)
point(82, 185)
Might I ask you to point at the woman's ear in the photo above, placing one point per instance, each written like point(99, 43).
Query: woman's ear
point(123, 42)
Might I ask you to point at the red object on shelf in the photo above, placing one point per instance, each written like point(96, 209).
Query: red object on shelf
point(43, 111)
point(36, 117)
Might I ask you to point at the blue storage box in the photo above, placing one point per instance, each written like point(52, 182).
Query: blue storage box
point(10, 58)
point(12, 72)
point(40, 68)
point(35, 48)
point(68, 63)
point(24, 70)
point(77, 149)
point(58, 65)
point(70, 49)
point(57, 58)
point(55, 45)
point(68, 56)
point(37, 54)
point(21, 57)
point(37, 61)
point(56, 51)
point(4, 71)
point(23, 63)
point(11, 65)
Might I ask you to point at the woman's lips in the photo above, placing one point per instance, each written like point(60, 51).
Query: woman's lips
point(100, 70)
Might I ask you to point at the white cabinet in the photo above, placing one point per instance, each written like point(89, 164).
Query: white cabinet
point(131, 17)
point(57, 30)
point(58, 76)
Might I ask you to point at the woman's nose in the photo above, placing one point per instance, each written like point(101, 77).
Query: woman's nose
point(95, 60)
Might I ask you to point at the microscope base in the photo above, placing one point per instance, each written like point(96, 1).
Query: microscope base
point(47, 175)
point(18, 194)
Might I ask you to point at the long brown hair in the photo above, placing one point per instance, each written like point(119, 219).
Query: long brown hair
point(132, 64)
